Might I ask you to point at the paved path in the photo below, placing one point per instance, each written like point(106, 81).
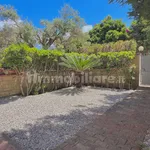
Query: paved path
point(123, 127)
point(4, 145)
point(7, 144)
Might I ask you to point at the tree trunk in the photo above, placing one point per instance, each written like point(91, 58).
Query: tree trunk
point(79, 76)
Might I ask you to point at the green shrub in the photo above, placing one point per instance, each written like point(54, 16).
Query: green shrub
point(79, 62)
point(23, 58)
point(47, 60)
point(109, 59)
point(111, 47)
point(116, 59)
point(18, 57)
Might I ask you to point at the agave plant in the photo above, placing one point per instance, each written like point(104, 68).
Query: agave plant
point(79, 63)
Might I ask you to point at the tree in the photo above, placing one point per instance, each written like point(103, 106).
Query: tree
point(52, 31)
point(26, 33)
point(7, 12)
point(140, 31)
point(23, 31)
point(19, 58)
point(71, 17)
point(140, 8)
point(7, 37)
point(61, 30)
point(108, 30)
point(74, 43)
point(7, 33)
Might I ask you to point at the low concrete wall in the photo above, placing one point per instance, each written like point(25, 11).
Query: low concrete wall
point(55, 80)
point(115, 78)
point(9, 85)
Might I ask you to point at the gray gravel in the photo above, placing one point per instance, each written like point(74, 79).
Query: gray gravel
point(146, 144)
point(44, 121)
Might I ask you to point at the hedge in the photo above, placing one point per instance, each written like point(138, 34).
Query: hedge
point(119, 46)
point(21, 58)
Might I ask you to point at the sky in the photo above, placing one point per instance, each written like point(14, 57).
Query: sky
point(93, 11)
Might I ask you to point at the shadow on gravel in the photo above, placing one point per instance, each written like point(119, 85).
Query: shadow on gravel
point(51, 131)
point(77, 91)
point(70, 91)
point(6, 100)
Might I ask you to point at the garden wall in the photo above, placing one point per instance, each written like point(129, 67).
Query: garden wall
point(10, 84)
point(115, 78)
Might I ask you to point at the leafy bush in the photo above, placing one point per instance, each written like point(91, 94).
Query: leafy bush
point(116, 59)
point(108, 30)
point(79, 62)
point(111, 47)
point(46, 60)
point(18, 57)
point(23, 58)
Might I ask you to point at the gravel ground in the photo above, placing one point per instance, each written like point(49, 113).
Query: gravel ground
point(44, 121)
point(146, 144)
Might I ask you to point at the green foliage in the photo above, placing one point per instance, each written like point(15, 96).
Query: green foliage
point(26, 34)
point(140, 8)
point(47, 60)
point(73, 37)
point(147, 40)
point(116, 59)
point(140, 31)
point(108, 30)
point(71, 17)
point(130, 74)
point(52, 33)
point(74, 43)
point(55, 31)
point(79, 62)
point(24, 58)
point(7, 37)
point(111, 47)
point(20, 31)
point(103, 60)
point(8, 13)
point(17, 57)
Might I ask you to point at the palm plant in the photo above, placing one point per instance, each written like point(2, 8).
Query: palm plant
point(79, 63)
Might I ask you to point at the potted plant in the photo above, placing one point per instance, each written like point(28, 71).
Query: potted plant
point(78, 63)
